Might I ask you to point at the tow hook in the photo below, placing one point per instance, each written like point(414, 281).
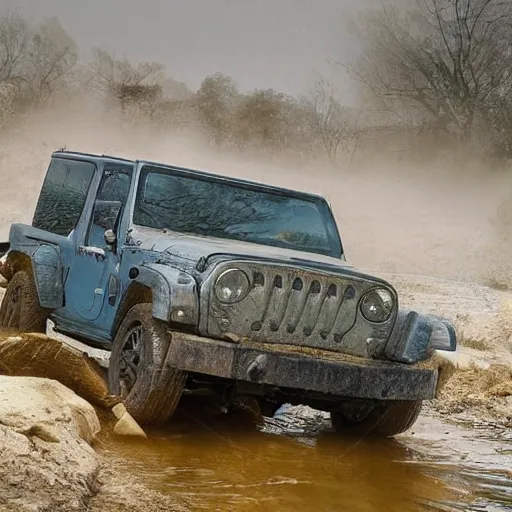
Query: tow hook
point(256, 369)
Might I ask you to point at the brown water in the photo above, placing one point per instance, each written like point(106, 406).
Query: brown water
point(224, 466)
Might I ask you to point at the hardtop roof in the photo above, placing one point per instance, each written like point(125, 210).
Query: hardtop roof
point(76, 155)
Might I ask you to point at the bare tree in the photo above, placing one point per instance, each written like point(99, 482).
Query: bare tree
point(445, 56)
point(14, 41)
point(52, 55)
point(34, 62)
point(128, 83)
point(332, 123)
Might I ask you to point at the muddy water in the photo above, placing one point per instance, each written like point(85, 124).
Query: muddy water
point(295, 463)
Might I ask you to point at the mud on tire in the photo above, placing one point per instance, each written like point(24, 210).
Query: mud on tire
point(138, 372)
point(388, 420)
point(20, 309)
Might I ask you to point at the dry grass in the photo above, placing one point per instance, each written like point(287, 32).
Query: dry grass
point(498, 282)
point(481, 393)
point(474, 343)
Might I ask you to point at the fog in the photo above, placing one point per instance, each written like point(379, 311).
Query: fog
point(260, 44)
point(393, 217)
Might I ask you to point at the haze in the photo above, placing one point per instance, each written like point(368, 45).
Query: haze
point(396, 214)
point(261, 44)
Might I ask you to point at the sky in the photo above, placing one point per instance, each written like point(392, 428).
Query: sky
point(260, 43)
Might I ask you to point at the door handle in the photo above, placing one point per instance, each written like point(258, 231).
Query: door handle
point(95, 252)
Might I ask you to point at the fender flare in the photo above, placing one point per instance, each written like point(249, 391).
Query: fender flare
point(415, 336)
point(175, 297)
point(47, 271)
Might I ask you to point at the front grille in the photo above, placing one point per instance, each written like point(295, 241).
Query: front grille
point(303, 305)
point(289, 305)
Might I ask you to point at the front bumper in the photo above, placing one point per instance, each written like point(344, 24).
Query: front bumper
point(291, 369)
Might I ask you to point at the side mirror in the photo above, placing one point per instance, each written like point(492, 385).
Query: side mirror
point(110, 237)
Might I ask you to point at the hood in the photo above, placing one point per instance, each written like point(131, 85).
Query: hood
point(193, 252)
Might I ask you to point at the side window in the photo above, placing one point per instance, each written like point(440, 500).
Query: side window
point(63, 196)
point(110, 201)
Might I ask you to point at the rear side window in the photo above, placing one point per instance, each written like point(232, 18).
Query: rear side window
point(63, 196)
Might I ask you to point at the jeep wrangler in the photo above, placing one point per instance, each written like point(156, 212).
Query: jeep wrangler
point(178, 281)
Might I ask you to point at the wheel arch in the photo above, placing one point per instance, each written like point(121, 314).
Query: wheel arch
point(154, 395)
point(44, 263)
point(136, 293)
point(172, 293)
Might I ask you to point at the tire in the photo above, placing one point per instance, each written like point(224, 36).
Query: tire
point(20, 309)
point(388, 420)
point(138, 374)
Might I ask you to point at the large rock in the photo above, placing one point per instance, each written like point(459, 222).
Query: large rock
point(47, 462)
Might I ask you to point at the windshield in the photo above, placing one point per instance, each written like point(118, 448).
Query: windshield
point(208, 207)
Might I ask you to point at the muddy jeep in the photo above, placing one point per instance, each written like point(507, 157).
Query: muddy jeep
point(179, 281)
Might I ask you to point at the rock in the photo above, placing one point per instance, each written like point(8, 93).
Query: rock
point(126, 426)
point(47, 461)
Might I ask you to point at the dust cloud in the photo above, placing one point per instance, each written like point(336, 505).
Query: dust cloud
point(438, 219)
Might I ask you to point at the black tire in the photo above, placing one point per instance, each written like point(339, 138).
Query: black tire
point(149, 388)
point(20, 309)
point(387, 420)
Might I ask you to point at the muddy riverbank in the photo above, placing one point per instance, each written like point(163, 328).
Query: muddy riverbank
point(457, 456)
point(481, 388)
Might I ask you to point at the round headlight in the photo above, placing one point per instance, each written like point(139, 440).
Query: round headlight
point(377, 305)
point(232, 286)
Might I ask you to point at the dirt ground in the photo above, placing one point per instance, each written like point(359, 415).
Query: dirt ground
point(481, 388)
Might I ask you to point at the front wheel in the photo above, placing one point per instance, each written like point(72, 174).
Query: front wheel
point(386, 420)
point(138, 373)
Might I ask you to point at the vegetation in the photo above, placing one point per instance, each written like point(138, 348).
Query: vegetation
point(435, 74)
point(443, 69)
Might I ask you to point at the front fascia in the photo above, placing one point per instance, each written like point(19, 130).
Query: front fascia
point(296, 318)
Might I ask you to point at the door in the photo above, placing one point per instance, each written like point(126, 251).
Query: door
point(94, 262)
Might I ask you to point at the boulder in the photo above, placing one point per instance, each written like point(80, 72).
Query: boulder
point(45, 434)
